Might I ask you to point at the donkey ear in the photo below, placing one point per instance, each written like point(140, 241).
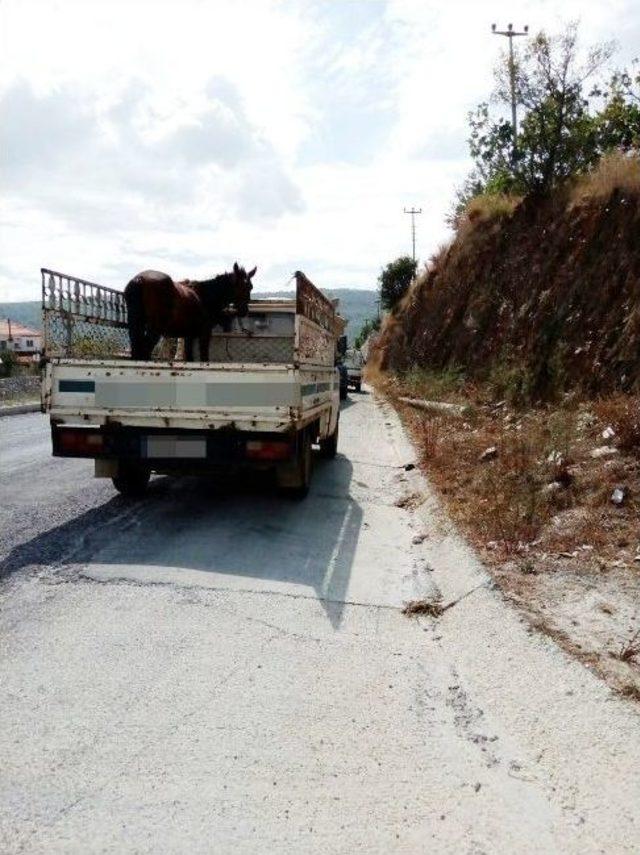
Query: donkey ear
point(251, 273)
point(235, 267)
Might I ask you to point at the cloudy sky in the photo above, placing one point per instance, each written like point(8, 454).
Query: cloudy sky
point(185, 134)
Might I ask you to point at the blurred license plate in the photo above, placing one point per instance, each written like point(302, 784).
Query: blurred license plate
point(175, 446)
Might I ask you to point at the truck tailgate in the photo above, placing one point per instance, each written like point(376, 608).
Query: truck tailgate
point(182, 395)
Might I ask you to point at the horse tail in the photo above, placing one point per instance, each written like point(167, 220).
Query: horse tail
point(136, 319)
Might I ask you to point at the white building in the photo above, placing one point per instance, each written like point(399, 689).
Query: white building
point(25, 342)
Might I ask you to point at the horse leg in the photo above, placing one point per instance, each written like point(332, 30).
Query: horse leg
point(188, 349)
point(205, 338)
point(138, 340)
point(135, 319)
point(151, 339)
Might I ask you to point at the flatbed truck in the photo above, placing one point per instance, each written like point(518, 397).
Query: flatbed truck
point(264, 395)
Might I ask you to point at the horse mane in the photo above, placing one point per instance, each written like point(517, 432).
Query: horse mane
point(219, 280)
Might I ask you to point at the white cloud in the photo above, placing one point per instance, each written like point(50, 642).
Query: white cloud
point(183, 135)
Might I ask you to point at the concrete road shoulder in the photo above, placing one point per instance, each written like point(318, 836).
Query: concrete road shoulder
point(18, 409)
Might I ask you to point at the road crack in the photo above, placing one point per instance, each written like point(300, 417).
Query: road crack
point(176, 586)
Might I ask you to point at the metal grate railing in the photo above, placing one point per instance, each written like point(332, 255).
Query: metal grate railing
point(81, 318)
point(84, 320)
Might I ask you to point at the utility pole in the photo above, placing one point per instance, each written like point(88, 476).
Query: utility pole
point(413, 212)
point(510, 33)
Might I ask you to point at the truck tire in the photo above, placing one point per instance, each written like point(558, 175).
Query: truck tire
point(329, 445)
point(132, 479)
point(294, 479)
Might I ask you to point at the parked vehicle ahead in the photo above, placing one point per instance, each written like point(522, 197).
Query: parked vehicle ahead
point(354, 364)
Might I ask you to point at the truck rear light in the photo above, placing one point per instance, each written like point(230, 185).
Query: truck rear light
point(80, 441)
point(267, 450)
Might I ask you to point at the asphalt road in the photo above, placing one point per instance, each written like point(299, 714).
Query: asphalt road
point(222, 671)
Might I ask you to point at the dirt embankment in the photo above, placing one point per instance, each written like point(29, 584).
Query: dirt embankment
point(550, 499)
point(530, 324)
point(536, 297)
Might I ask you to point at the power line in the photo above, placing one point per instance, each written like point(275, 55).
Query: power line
point(510, 33)
point(413, 212)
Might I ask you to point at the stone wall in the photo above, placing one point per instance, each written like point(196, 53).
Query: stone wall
point(19, 387)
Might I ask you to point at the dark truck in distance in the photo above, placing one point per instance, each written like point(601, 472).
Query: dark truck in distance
point(354, 363)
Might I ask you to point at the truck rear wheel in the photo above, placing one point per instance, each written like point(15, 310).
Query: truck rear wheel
point(132, 479)
point(294, 479)
point(329, 445)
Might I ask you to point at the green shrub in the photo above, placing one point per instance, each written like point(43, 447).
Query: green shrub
point(8, 363)
point(420, 382)
point(513, 382)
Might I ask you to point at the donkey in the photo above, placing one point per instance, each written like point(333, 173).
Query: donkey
point(157, 306)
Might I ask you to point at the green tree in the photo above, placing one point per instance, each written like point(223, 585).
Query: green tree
point(557, 136)
point(8, 363)
point(394, 280)
point(618, 123)
point(369, 326)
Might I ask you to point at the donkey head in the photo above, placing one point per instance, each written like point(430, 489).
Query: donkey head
point(242, 286)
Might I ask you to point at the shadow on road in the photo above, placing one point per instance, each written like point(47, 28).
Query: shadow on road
point(231, 528)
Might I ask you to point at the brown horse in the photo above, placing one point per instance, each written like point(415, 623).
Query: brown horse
point(157, 306)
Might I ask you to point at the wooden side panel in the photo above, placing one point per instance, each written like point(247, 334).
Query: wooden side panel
point(315, 345)
point(312, 304)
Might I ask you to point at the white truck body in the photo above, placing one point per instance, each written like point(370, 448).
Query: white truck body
point(208, 395)
point(273, 377)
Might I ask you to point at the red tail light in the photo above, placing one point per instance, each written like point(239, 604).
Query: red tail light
point(265, 450)
point(80, 441)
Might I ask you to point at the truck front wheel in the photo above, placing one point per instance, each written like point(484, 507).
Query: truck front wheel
point(132, 479)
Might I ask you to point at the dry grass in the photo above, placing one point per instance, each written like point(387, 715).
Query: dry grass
point(432, 434)
point(373, 375)
point(543, 492)
point(506, 501)
point(491, 205)
point(631, 692)
point(622, 413)
point(631, 647)
point(439, 256)
point(615, 171)
point(414, 608)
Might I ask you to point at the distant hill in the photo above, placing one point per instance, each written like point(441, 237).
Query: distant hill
point(28, 314)
point(355, 305)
